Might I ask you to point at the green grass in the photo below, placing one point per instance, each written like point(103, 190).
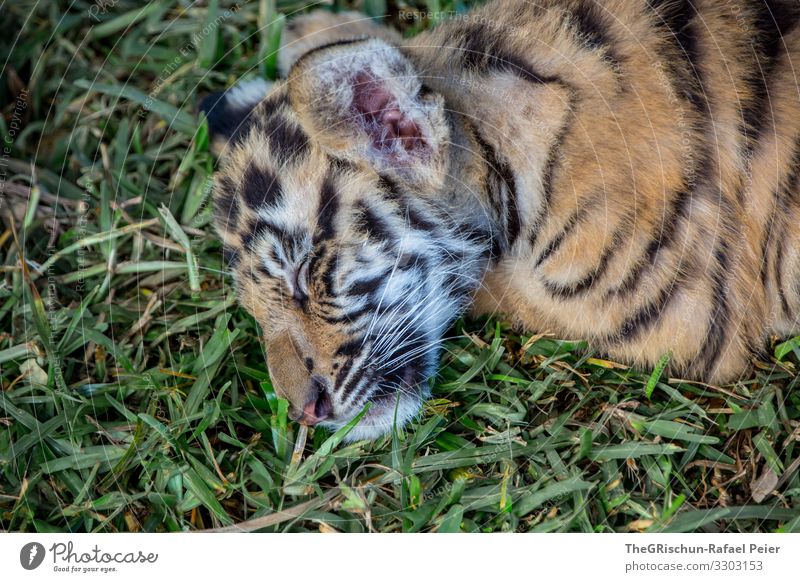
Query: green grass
point(134, 394)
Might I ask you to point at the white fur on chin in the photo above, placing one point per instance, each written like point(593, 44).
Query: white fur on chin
point(380, 419)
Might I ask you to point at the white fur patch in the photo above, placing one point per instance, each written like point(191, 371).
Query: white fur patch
point(246, 94)
point(381, 419)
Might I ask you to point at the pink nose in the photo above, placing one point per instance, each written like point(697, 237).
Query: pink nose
point(311, 415)
point(317, 408)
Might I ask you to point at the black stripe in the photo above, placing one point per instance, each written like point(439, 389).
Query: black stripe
point(260, 187)
point(550, 167)
point(513, 219)
point(327, 210)
point(350, 348)
point(253, 232)
point(367, 286)
point(779, 279)
point(258, 227)
point(486, 238)
point(410, 260)
point(787, 199)
point(675, 216)
point(791, 193)
point(350, 316)
point(592, 29)
point(314, 262)
point(772, 21)
point(343, 372)
point(482, 53)
point(784, 14)
point(783, 198)
point(457, 286)
point(555, 243)
point(389, 187)
point(719, 319)
point(645, 317)
point(372, 224)
point(677, 18)
point(329, 272)
point(354, 381)
point(408, 346)
point(328, 45)
point(416, 220)
point(766, 243)
point(341, 165)
point(587, 282)
point(501, 180)
point(482, 239)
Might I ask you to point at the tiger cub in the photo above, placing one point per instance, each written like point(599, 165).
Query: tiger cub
point(621, 171)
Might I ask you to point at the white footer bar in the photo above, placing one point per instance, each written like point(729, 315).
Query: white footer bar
point(389, 557)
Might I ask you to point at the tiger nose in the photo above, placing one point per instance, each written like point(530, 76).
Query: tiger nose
point(317, 406)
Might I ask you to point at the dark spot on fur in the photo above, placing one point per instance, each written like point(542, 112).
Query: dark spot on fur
point(286, 139)
point(341, 165)
point(389, 187)
point(260, 187)
point(273, 101)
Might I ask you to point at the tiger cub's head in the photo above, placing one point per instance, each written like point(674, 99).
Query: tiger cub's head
point(331, 205)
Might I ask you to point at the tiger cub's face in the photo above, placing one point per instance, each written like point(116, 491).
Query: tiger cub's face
point(330, 205)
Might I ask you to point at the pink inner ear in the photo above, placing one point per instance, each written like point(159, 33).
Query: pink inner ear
point(384, 121)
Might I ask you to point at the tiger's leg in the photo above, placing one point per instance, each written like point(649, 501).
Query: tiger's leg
point(318, 28)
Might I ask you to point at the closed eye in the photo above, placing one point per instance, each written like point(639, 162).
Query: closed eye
point(300, 286)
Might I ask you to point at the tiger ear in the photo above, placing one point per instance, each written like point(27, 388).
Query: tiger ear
point(363, 100)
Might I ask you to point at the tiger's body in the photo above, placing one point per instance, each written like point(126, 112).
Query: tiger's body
point(627, 172)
